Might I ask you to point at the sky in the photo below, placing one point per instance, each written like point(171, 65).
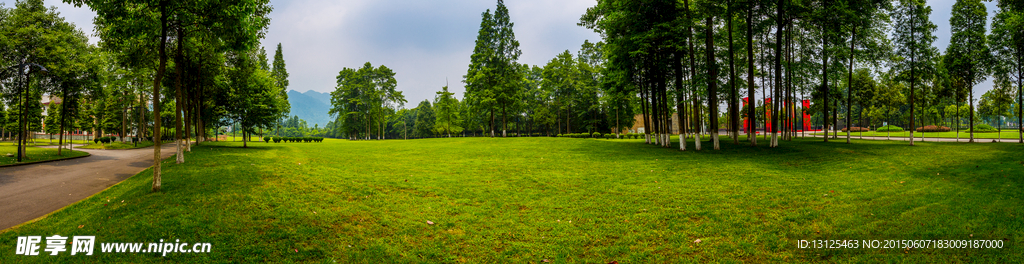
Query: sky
point(426, 43)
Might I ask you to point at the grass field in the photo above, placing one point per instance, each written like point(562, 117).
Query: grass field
point(1006, 134)
point(34, 154)
point(118, 145)
point(525, 200)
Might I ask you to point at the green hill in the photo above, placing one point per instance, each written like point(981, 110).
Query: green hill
point(311, 106)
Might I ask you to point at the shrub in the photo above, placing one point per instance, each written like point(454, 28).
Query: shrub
point(933, 129)
point(984, 128)
point(597, 135)
point(277, 139)
point(857, 129)
point(889, 128)
point(266, 139)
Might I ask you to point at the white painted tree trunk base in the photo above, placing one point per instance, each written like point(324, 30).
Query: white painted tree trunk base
point(682, 142)
point(179, 156)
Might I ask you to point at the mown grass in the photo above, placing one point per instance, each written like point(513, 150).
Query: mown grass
point(1006, 134)
point(33, 154)
point(118, 145)
point(522, 200)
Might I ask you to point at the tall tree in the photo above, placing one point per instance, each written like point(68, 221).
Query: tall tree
point(493, 76)
point(912, 34)
point(425, 118)
point(145, 25)
point(280, 74)
point(968, 54)
point(447, 110)
point(1007, 43)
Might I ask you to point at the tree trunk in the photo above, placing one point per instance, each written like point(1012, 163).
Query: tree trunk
point(156, 97)
point(971, 118)
point(780, 26)
point(751, 115)
point(680, 100)
point(709, 42)
point(179, 154)
point(849, 92)
point(824, 81)
point(734, 112)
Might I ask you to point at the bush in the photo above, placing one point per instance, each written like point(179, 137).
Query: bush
point(597, 135)
point(277, 139)
point(857, 129)
point(889, 128)
point(984, 128)
point(104, 140)
point(933, 129)
point(266, 139)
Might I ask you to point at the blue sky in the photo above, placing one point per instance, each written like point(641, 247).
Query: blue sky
point(424, 42)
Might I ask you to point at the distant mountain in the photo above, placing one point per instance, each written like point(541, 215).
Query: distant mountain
point(311, 106)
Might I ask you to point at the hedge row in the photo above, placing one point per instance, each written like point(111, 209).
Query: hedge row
point(577, 135)
point(105, 139)
point(293, 139)
point(857, 129)
point(933, 129)
point(599, 135)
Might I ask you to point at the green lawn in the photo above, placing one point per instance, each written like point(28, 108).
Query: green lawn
point(118, 145)
point(1006, 134)
point(34, 154)
point(523, 200)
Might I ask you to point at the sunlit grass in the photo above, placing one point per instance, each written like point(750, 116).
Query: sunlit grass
point(519, 200)
point(33, 154)
point(1006, 134)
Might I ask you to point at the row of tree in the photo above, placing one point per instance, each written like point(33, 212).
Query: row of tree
point(202, 55)
point(861, 63)
point(789, 48)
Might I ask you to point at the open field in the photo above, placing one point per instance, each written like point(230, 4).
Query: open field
point(34, 153)
point(118, 145)
point(519, 200)
point(1006, 134)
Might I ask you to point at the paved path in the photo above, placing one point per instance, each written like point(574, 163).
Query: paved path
point(30, 191)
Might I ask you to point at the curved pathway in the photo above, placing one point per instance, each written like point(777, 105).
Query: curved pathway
point(30, 191)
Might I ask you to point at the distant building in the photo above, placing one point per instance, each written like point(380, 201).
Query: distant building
point(638, 124)
point(47, 101)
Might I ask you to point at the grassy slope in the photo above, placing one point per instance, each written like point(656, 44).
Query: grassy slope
point(34, 153)
point(512, 200)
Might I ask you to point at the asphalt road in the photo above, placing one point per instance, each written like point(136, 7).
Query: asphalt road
point(30, 191)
